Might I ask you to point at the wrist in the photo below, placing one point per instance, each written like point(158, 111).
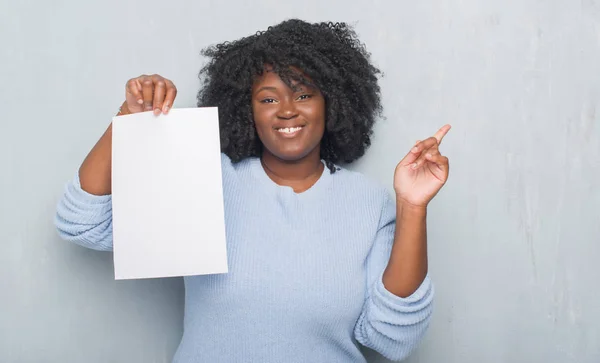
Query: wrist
point(407, 207)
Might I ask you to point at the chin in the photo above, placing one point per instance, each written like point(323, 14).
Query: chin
point(290, 153)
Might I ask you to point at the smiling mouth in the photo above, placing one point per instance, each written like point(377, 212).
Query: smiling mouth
point(289, 130)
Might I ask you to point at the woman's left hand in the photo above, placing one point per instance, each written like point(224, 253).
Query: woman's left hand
point(422, 172)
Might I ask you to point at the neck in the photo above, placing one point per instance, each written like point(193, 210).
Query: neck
point(300, 175)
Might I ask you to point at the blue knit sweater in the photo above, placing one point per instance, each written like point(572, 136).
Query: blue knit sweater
point(305, 271)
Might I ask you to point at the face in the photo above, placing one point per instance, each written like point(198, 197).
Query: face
point(290, 124)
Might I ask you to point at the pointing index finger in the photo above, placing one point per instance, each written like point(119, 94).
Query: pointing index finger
point(441, 133)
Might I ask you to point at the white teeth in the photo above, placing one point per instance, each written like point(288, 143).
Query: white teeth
point(289, 130)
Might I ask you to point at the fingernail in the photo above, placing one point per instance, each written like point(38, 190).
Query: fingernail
point(157, 111)
point(415, 149)
point(428, 156)
point(140, 101)
point(414, 165)
point(165, 109)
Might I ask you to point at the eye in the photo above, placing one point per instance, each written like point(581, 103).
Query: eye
point(304, 97)
point(267, 100)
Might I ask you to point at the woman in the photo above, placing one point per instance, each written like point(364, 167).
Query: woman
point(320, 258)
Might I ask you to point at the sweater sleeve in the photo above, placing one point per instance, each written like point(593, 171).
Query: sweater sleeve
point(391, 325)
point(84, 218)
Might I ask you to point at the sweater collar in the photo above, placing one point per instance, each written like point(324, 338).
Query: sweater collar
point(318, 187)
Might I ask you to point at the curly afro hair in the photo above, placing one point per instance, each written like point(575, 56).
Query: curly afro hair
point(329, 56)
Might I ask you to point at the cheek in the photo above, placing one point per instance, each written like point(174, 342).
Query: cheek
point(259, 118)
point(318, 114)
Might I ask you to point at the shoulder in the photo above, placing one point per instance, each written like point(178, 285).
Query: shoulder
point(236, 172)
point(225, 162)
point(359, 185)
point(230, 167)
point(358, 180)
point(359, 193)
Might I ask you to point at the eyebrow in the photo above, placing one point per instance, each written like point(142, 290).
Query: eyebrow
point(270, 88)
point(266, 89)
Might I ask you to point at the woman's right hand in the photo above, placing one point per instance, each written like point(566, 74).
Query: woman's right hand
point(147, 93)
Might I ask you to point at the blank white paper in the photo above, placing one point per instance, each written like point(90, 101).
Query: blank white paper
point(167, 194)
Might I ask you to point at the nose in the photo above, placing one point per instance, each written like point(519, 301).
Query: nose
point(287, 110)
